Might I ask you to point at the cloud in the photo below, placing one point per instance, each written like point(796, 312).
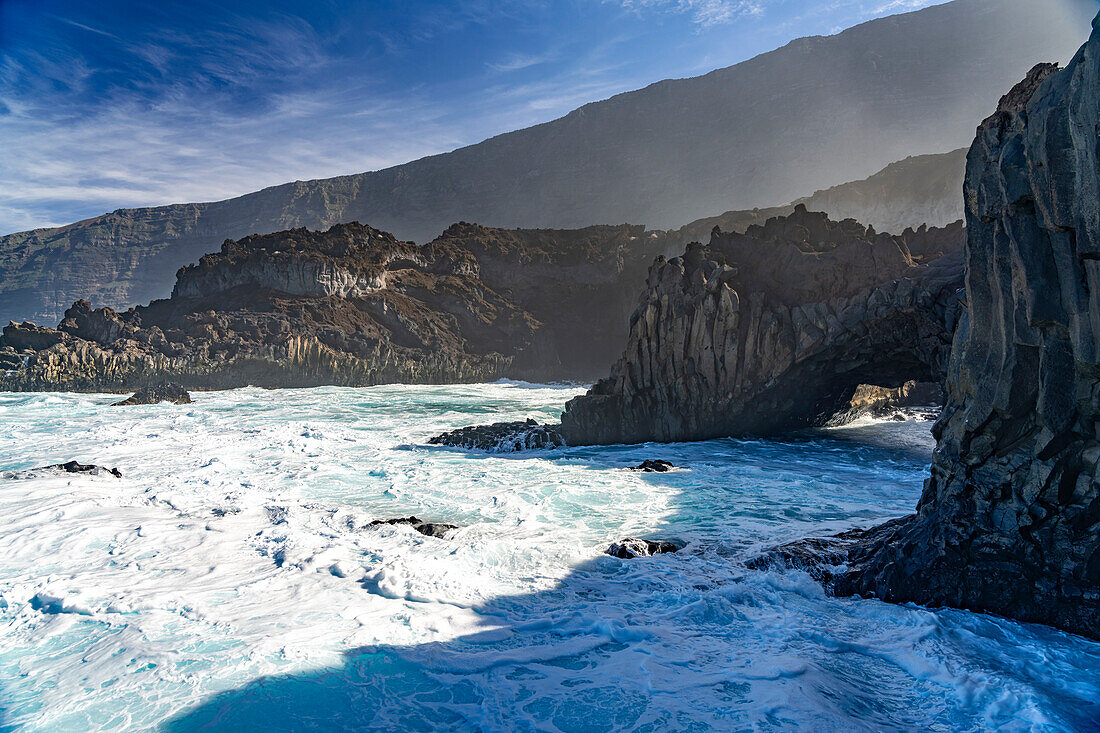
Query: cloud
point(702, 12)
point(518, 62)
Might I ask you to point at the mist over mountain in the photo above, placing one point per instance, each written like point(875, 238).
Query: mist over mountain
point(815, 113)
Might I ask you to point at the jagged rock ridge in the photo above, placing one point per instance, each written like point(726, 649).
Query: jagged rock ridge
point(816, 113)
point(774, 329)
point(355, 306)
point(1009, 520)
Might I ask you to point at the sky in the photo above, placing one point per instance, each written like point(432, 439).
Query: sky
point(116, 103)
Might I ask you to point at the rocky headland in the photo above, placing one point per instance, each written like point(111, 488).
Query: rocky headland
point(1009, 520)
point(774, 329)
point(355, 306)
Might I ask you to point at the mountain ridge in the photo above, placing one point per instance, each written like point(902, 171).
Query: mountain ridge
point(812, 114)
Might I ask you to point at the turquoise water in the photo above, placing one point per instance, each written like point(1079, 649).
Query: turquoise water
point(228, 580)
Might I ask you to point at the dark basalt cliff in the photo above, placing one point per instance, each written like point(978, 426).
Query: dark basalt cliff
point(1009, 520)
point(355, 306)
point(774, 329)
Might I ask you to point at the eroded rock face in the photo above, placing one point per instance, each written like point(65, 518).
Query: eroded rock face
point(1009, 521)
point(355, 306)
point(773, 330)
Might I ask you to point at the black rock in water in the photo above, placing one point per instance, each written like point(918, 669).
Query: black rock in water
point(153, 395)
point(431, 529)
point(503, 437)
point(632, 547)
point(821, 557)
point(69, 467)
point(653, 466)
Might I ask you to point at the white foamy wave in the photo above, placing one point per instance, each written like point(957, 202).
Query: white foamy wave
point(231, 578)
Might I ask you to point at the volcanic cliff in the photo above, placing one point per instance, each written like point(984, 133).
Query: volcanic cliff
point(774, 329)
point(355, 306)
point(1009, 520)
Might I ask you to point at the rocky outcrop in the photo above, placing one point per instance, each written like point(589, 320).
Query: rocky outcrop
point(897, 402)
point(155, 394)
point(774, 329)
point(651, 465)
point(1009, 520)
point(632, 547)
point(355, 306)
point(68, 467)
point(428, 529)
point(503, 437)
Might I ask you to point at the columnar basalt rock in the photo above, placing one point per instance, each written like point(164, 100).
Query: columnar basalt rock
point(1009, 521)
point(773, 330)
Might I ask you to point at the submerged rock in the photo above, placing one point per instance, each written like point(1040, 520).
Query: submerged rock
point(503, 437)
point(653, 466)
point(632, 547)
point(431, 529)
point(822, 557)
point(164, 392)
point(70, 467)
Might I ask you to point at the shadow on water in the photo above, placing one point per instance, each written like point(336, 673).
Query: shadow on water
point(690, 641)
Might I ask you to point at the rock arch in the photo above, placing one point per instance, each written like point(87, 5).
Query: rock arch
point(773, 330)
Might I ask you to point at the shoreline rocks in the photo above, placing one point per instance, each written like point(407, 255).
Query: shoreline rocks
point(354, 306)
point(909, 401)
point(503, 437)
point(1009, 521)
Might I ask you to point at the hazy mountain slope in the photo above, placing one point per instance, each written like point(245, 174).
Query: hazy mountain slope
point(922, 189)
point(815, 113)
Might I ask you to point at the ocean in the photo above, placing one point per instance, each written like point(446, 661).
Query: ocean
point(230, 581)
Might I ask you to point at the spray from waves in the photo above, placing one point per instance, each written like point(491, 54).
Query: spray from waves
point(231, 575)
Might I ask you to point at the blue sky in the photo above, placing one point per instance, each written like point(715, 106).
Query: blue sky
point(114, 103)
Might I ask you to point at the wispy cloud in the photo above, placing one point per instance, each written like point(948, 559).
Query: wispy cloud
point(702, 12)
point(518, 62)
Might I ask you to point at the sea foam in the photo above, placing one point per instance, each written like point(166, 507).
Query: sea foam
point(230, 579)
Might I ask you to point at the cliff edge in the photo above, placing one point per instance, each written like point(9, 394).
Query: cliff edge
point(1009, 520)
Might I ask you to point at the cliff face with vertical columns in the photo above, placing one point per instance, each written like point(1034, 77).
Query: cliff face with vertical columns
point(774, 329)
point(1009, 520)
